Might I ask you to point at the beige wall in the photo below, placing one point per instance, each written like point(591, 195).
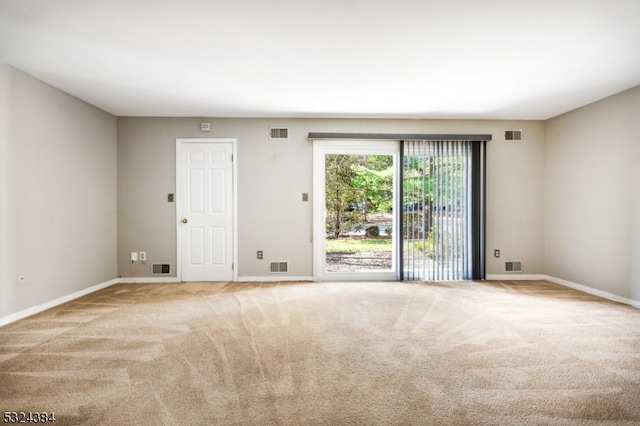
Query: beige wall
point(60, 189)
point(593, 195)
point(7, 203)
point(272, 175)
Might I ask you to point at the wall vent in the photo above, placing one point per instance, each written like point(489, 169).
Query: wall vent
point(513, 135)
point(278, 133)
point(160, 268)
point(279, 267)
point(513, 266)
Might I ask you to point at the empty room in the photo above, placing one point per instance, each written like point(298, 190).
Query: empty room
point(320, 212)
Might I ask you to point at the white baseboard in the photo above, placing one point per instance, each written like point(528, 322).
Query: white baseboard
point(594, 291)
point(575, 286)
point(272, 278)
point(52, 303)
point(147, 280)
point(515, 277)
point(135, 280)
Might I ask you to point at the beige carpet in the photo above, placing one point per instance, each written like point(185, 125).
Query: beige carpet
point(486, 353)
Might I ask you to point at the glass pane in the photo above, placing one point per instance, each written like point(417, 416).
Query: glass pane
point(359, 217)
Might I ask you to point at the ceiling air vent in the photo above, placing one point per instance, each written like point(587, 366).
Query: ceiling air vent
point(513, 135)
point(161, 269)
point(513, 266)
point(279, 267)
point(278, 133)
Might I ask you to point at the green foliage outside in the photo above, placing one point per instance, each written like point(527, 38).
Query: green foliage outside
point(426, 181)
point(423, 174)
point(355, 186)
point(374, 177)
point(446, 244)
point(426, 245)
point(342, 196)
point(341, 245)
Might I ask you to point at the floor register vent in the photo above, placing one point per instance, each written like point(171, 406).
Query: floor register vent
point(161, 269)
point(279, 267)
point(514, 266)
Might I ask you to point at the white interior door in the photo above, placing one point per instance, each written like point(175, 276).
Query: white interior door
point(205, 210)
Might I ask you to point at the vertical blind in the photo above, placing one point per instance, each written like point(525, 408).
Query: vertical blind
point(442, 220)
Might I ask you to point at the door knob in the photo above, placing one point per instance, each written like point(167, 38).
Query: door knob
point(184, 220)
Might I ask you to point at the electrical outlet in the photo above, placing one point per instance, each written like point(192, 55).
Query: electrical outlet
point(22, 280)
point(496, 253)
point(305, 196)
point(260, 255)
point(134, 256)
point(142, 256)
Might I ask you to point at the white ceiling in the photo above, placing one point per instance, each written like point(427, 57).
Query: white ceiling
point(328, 58)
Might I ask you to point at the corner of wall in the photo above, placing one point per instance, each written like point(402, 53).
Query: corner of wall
point(7, 213)
point(592, 225)
point(62, 222)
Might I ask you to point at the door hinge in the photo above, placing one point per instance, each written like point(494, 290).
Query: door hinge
point(233, 266)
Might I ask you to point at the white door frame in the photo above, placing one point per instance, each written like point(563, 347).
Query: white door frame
point(320, 149)
point(234, 143)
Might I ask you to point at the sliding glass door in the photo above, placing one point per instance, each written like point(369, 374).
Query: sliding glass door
point(405, 209)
